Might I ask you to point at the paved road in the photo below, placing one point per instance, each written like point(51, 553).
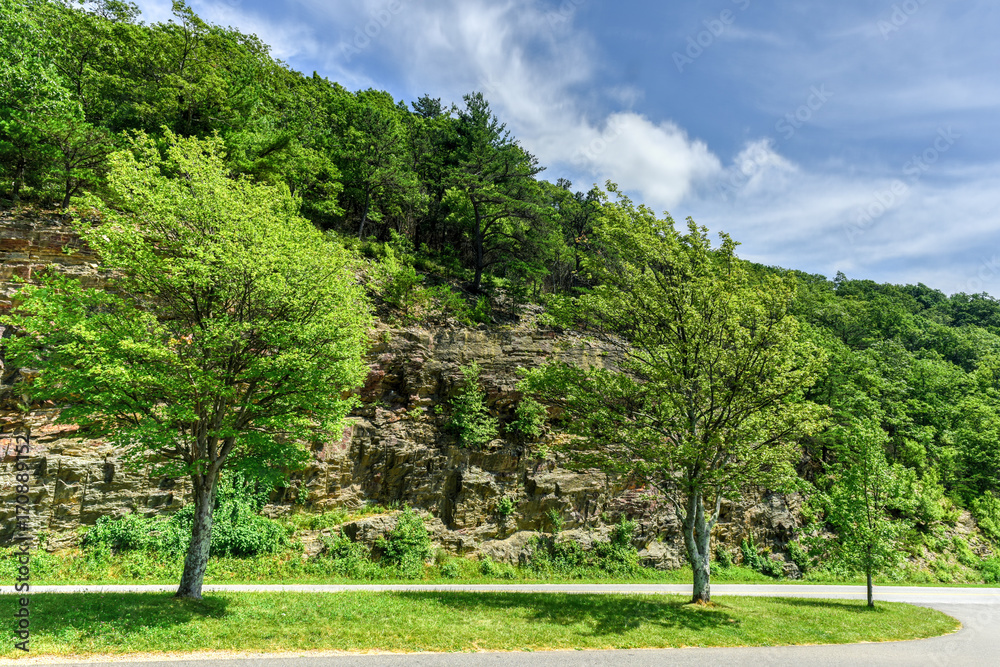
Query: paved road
point(978, 643)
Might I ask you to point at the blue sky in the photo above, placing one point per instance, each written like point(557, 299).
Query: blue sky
point(861, 137)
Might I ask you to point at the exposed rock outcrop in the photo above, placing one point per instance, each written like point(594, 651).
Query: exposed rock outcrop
point(395, 449)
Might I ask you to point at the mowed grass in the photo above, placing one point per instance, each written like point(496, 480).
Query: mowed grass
point(361, 621)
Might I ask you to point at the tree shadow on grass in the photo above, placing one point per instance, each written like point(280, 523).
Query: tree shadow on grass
point(118, 614)
point(609, 615)
point(846, 606)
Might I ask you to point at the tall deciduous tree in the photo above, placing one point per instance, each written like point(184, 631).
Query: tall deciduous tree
point(865, 490)
point(701, 396)
point(231, 330)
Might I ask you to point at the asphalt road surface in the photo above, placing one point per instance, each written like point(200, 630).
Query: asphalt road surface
point(977, 643)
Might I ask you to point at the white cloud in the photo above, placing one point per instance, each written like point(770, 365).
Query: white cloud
point(894, 229)
point(154, 11)
point(287, 39)
point(528, 62)
point(543, 75)
point(658, 160)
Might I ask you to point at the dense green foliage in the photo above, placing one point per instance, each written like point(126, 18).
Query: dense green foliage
point(230, 335)
point(407, 545)
point(447, 207)
point(238, 529)
point(920, 366)
point(77, 79)
point(470, 418)
point(529, 418)
point(705, 397)
point(230, 329)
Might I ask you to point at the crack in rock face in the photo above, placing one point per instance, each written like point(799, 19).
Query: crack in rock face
point(395, 449)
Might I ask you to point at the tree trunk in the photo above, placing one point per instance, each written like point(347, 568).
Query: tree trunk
point(196, 561)
point(18, 182)
point(69, 191)
point(364, 218)
point(697, 540)
point(702, 589)
point(871, 599)
point(477, 282)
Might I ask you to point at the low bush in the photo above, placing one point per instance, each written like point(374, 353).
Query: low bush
point(407, 546)
point(723, 557)
point(799, 556)
point(944, 571)
point(555, 521)
point(529, 418)
point(482, 311)
point(399, 285)
point(754, 559)
point(963, 553)
point(240, 532)
point(470, 418)
point(751, 556)
point(348, 558)
point(986, 510)
point(990, 569)
point(772, 567)
point(446, 302)
point(238, 529)
point(506, 506)
point(618, 557)
point(490, 568)
point(310, 521)
point(546, 556)
point(129, 532)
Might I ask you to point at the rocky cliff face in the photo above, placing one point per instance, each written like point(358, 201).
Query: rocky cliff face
point(395, 449)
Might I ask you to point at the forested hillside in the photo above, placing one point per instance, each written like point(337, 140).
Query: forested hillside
point(924, 366)
point(449, 213)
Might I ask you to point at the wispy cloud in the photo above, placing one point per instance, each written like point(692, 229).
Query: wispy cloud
point(807, 219)
point(553, 73)
point(531, 68)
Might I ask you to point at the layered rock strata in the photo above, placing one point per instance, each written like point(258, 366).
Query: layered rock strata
point(396, 448)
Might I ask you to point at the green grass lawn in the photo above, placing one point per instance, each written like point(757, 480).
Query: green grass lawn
point(82, 624)
point(133, 568)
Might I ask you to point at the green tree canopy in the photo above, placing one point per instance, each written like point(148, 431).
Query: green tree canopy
point(702, 396)
point(231, 332)
point(494, 183)
point(865, 489)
